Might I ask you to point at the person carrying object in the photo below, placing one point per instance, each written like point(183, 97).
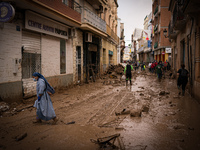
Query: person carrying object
point(183, 75)
point(128, 73)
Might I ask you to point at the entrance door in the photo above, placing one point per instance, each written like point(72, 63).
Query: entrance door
point(31, 61)
point(163, 57)
point(78, 62)
point(159, 57)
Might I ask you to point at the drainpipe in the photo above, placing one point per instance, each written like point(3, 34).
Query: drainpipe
point(193, 76)
point(191, 68)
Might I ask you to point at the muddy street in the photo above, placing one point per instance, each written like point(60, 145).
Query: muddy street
point(148, 115)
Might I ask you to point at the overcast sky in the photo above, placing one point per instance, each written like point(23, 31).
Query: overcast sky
point(132, 14)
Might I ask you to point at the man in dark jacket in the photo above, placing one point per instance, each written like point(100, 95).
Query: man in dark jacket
point(127, 71)
point(182, 78)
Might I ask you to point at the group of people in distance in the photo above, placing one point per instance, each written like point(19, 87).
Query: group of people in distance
point(160, 69)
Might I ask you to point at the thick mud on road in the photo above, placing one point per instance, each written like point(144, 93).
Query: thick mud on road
point(149, 115)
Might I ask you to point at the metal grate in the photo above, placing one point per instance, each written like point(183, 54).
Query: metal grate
point(31, 63)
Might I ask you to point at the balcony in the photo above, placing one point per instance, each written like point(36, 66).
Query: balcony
point(191, 6)
point(156, 45)
point(70, 11)
point(156, 29)
point(179, 19)
point(90, 21)
point(171, 33)
point(154, 1)
point(112, 34)
point(140, 50)
point(156, 11)
point(122, 45)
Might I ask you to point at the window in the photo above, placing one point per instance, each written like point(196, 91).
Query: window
point(65, 2)
point(31, 63)
point(62, 56)
point(69, 3)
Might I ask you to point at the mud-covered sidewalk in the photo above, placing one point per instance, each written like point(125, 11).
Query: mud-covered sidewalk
point(148, 115)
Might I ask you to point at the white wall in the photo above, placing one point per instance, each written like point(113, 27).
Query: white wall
point(69, 57)
point(10, 48)
point(50, 55)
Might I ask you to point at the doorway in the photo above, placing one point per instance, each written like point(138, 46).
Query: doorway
point(78, 62)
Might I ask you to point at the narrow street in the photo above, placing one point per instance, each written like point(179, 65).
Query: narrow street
point(103, 108)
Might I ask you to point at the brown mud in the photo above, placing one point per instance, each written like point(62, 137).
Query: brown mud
point(164, 121)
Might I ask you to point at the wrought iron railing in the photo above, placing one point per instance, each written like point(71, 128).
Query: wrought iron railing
point(91, 18)
point(156, 10)
point(156, 45)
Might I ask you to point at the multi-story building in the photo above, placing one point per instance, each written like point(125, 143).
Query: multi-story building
point(148, 55)
point(121, 43)
point(160, 20)
point(111, 41)
point(144, 44)
point(184, 33)
point(65, 40)
point(36, 39)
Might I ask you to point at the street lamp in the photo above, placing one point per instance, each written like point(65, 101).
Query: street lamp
point(165, 33)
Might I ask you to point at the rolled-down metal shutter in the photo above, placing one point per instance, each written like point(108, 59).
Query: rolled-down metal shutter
point(31, 42)
point(31, 61)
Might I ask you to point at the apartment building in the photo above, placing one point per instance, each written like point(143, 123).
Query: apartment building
point(147, 34)
point(111, 41)
point(184, 33)
point(121, 43)
point(160, 20)
point(36, 39)
point(65, 40)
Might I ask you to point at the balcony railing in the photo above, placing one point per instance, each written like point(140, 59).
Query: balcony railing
point(111, 33)
point(91, 18)
point(155, 45)
point(171, 33)
point(179, 19)
point(156, 28)
point(156, 10)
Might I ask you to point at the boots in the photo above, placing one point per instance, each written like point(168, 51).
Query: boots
point(126, 82)
point(130, 82)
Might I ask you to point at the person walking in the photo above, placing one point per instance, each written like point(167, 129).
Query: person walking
point(142, 66)
point(159, 70)
point(43, 105)
point(183, 75)
point(135, 66)
point(127, 71)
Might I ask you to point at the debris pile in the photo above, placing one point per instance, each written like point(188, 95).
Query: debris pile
point(110, 142)
point(114, 70)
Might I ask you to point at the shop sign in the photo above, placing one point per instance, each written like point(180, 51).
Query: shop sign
point(42, 24)
point(7, 12)
point(168, 50)
point(110, 52)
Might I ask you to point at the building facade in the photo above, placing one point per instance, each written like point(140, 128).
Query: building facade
point(160, 21)
point(111, 41)
point(36, 40)
point(184, 33)
point(65, 40)
point(121, 45)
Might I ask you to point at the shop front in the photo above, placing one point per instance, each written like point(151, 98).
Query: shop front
point(45, 46)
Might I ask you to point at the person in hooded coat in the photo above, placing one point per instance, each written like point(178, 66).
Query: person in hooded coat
point(43, 104)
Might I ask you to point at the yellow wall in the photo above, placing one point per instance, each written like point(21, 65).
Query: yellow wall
point(108, 46)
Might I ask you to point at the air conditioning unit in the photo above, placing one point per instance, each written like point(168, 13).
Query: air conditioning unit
point(88, 37)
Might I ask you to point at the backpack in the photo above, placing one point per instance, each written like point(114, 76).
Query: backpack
point(184, 73)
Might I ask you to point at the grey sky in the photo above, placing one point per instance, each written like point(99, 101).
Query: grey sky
point(132, 14)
